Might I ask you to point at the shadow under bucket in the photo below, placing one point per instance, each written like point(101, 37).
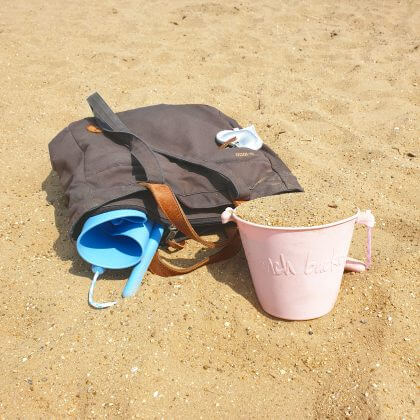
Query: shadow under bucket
point(297, 272)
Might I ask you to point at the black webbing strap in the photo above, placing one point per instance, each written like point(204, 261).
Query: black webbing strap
point(109, 122)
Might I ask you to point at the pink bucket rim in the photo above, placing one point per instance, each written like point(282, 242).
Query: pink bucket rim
point(296, 228)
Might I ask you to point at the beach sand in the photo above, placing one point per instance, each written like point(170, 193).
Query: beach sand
point(311, 208)
point(332, 88)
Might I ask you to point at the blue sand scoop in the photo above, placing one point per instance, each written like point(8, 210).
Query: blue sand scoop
point(119, 239)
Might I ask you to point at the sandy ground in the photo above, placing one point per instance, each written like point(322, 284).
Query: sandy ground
point(332, 87)
point(312, 208)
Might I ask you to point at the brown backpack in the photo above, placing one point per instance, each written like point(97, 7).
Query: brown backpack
point(163, 160)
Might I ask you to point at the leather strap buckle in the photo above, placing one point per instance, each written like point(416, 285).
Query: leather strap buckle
point(171, 234)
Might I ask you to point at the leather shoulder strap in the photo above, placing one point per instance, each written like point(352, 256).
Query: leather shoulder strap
point(168, 203)
point(163, 268)
point(237, 203)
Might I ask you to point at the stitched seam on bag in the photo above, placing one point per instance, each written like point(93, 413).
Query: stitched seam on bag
point(83, 152)
point(266, 152)
point(259, 182)
point(74, 138)
point(250, 158)
point(113, 166)
point(272, 168)
point(84, 160)
point(202, 192)
point(79, 214)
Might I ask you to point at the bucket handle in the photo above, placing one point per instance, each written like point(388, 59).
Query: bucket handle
point(226, 216)
point(97, 272)
point(363, 217)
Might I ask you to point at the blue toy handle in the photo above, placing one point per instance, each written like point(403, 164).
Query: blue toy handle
point(97, 271)
point(138, 272)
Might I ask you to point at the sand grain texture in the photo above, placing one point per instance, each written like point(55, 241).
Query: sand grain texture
point(330, 86)
point(297, 210)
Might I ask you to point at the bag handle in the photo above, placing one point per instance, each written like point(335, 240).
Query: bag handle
point(164, 269)
point(170, 206)
point(111, 123)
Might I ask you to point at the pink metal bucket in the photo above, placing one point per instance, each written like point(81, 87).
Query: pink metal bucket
point(297, 272)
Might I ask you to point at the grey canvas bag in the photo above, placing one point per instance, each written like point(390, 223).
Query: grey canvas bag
point(163, 160)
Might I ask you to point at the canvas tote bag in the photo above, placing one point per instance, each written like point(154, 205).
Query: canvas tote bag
point(164, 161)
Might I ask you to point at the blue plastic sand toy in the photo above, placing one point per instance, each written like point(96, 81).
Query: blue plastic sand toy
point(119, 239)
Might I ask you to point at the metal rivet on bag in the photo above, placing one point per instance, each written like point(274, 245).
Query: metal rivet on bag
point(93, 129)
